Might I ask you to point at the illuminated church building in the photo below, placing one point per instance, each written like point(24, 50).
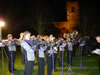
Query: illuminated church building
point(72, 9)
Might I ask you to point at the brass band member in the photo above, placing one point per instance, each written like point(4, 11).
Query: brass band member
point(22, 49)
point(11, 46)
point(30, 56)
point(70, 49)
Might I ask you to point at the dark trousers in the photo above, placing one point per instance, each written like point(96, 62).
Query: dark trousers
point(49, 64)
point(88, 50)
point(55, 59)
point(28, 67)
point(82, 50)
point(99, 62)
point(70, 57)
point(60, 57)
point(41, 65)
point(23, 57)
point(11, 57)
point(74, 50)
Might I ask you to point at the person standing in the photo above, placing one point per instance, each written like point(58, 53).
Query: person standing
point(98, 46)
point(30, 56)
point(61, 51)
point(55, 48)
point(40, 57)
point(70, 49)
point(22, 50)
point(50, 55)
point(82, 45)
point(11, 47)
point(88, 45)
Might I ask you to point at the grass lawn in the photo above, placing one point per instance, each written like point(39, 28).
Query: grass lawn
point(90, 66)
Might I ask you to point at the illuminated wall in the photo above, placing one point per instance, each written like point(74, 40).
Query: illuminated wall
point(72, 9)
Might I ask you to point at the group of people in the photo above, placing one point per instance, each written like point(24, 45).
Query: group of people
point(48, 47)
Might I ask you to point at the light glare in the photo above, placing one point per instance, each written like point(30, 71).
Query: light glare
point(2, 23)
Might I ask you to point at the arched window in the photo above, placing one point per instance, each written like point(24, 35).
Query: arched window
point(72, 9)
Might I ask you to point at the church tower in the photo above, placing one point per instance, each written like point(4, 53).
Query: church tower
point(72, 9)
point(72, 14)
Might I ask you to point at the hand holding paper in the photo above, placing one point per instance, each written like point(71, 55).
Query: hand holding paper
point(97, 51)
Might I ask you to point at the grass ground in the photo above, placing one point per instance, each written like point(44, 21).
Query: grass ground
point(90, 65)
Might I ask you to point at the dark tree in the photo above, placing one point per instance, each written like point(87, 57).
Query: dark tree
point(89, 17)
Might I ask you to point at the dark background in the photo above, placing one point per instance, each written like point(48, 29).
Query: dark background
point(28, 15)
point(25, 15)
point(89, 17)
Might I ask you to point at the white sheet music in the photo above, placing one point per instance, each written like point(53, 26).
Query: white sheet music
point(96, 51)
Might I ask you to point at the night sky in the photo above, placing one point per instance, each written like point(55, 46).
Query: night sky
point(90, 17)
point(24, 15)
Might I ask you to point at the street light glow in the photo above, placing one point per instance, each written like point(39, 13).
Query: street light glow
point(2, 23)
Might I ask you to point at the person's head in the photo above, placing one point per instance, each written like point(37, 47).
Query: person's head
point(51, 35)
point(51, 38)
point(47, 39)
point(68, 35)
point(9, 36)
point(98, 39)
point(72, 35)
point(27, 35)
point(68, 38)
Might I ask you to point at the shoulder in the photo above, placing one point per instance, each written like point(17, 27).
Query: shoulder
point(23, 42)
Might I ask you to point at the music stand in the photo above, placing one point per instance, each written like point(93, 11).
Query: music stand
point(3, 51)
point(81, 64)
point(53, 62)
point(62, 61)
point(69, 71)
point(12, 64)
